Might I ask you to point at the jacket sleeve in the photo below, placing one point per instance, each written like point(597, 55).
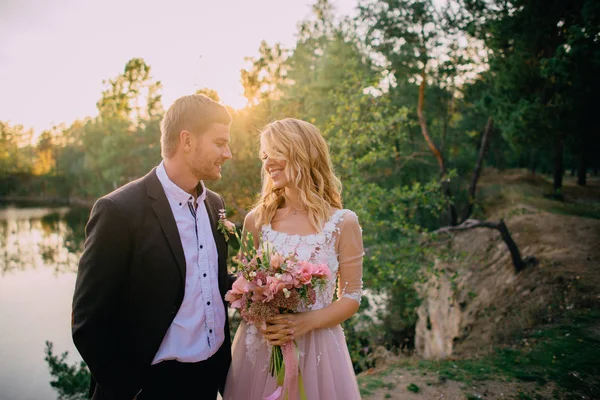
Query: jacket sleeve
point(101, 278)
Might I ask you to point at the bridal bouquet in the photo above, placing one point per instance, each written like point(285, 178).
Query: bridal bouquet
point(269, 283)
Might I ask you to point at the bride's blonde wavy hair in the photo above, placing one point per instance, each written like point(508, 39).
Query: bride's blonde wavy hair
point(308, 166)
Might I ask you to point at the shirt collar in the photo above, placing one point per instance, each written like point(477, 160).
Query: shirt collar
point(174, 192)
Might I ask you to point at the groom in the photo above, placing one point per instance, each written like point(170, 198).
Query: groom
point(148, 312)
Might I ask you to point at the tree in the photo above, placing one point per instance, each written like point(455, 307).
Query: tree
point(266, 74)
point(410, 34)
point(573, 68)
point(536, 77)
point(210, 93)
point(131, 95)
point(130, 112)
point(16, 155)
point(45, 155)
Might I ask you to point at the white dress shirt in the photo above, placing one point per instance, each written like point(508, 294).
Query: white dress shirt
point(197, 331)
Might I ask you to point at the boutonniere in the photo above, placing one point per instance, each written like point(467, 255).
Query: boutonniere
point(225, 226)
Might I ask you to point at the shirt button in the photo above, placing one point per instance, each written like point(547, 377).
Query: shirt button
point(210, 331)
point(208, 304)
point(201, 246)
point(204, 275)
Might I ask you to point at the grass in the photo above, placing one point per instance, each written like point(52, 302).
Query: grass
point(580, 210)
point(413, 388)
point(565, 354)
point(368, 384)
point(534, 191)
point(467, 371)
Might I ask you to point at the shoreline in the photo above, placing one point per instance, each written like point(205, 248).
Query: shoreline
point(46, 201)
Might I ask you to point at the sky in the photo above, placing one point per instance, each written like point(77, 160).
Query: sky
point(54, 55)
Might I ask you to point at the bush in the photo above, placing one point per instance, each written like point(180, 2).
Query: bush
point(70, 381)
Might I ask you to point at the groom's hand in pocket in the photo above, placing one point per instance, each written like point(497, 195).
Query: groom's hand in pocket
point(277, 333)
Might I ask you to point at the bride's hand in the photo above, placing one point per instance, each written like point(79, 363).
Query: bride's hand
point(276, 333)
point(298, 324)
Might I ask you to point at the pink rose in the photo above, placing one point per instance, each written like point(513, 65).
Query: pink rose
point(289, 280)
point(275, 285)
point(238, 303)
point(276, 261)
point(237, 292)
point(258, 293)
point(241, 286)
point(268, 294)
point(290, 265)
point(304, 272)
point(234, 299)
point(260, 275)
point(322, 271)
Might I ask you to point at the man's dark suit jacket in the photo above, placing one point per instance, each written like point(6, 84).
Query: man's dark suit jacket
point(130, 284)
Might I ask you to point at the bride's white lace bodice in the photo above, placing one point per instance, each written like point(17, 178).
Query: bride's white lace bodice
point(340, 246)
point(324, 247)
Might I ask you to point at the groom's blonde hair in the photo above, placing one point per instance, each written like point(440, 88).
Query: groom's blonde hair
point(194, 113)
point(308, 166)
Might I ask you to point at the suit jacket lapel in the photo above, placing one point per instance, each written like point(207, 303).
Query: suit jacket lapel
point(165, 216)
point(213, 215)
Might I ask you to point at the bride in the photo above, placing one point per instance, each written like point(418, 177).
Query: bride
point(300, 210)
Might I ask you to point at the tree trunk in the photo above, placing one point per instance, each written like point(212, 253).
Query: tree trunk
point(501, 227)
point(515, 254)
point(499, 159)
point(444, 132)
point(533, 162)
point(522, 161)
point(423, 123)
point(447, 116)
point(558, 167)
point(582, 170)
point(485, 139)
point(436, 152)
point(411, 137)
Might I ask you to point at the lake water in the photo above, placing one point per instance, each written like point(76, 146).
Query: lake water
point(39, 250)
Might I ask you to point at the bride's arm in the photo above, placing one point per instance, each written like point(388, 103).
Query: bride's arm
point(350, 250)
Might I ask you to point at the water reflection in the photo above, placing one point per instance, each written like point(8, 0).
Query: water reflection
point(39, 251)
point(41, 237)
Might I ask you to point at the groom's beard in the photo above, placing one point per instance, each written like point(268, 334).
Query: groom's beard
point(207, 171)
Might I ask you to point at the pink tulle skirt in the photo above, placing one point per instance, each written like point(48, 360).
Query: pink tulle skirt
point(324, 362)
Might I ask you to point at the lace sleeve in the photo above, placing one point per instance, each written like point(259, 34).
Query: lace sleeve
point(351, 252)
